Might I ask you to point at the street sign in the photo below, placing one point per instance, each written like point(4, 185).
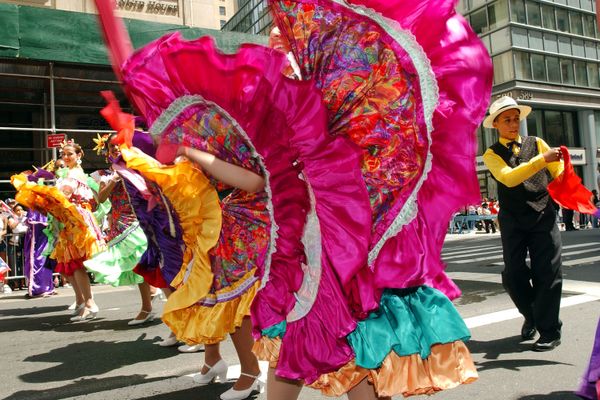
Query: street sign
point(54, 140)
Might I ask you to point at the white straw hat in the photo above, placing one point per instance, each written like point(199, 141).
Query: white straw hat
point(502, 104)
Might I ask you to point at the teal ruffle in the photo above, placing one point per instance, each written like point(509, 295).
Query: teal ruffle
point(408, 321)
point(115, 265)
point(275, 331)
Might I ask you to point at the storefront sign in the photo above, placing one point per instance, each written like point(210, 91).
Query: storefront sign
point(164, 7)
point(520, 95)
point(577, 156)
point(54, 140)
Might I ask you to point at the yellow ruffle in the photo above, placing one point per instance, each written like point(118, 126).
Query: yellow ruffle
point(448, 366)
point(76, 241)
point(201, 324)
point(198, 209)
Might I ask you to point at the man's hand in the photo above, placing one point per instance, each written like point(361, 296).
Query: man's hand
point(552, 155)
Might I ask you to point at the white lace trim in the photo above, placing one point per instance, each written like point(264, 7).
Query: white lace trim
point(311, 238)
point(430, 98)
point(181, 104)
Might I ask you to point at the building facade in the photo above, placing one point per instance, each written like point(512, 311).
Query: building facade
point(211, 14)
point(252, 16)
point(546, 54)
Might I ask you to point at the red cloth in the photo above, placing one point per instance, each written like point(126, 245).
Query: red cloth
point(122, 122)
point(152, 276)
point(69, 267)
point(567, 190)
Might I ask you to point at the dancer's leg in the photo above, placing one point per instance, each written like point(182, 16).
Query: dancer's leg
point(243, 342)
point(364, 391)
point(281, 389)
point(83, 281)
point(211, 356)
point(146, 296)
point(79, 297)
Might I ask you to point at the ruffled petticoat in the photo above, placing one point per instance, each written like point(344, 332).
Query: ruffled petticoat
point(78, 239)
point(115, 265)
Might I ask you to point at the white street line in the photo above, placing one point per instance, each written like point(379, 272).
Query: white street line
point(513, 313)
point(570, 253)
point(577, 261)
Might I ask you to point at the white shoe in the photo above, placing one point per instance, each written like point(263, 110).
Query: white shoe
point(149, 317)
point(72, 306)
point(77, 309)
point(233, 394)
point(168, 342)
point(158, 294)
point(217, 370)
point(88, 313)
point(184, 348)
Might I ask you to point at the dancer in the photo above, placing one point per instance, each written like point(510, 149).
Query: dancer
point(590, 382)
point(126, 241)
point(38, 268)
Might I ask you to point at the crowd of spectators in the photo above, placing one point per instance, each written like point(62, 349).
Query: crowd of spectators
point(13, 225)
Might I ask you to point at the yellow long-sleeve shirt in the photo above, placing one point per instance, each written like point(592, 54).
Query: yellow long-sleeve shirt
point(512, 177)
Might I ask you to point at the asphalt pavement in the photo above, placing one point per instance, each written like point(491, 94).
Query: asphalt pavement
point(44, 356)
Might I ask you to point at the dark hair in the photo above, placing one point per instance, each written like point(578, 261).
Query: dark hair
point(76, 147)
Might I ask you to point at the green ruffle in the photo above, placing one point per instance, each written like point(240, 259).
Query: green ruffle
point(277, 330)
point(51, 231)
point(102, 211)
point(115, 265)
point(408, 321)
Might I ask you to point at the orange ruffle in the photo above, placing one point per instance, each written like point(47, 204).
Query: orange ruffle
point(76, 241)
point(448, 366)
point(201, 324)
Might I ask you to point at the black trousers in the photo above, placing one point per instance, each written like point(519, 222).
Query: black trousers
point(536, 290)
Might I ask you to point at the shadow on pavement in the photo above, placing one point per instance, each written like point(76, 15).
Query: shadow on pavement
point(199, 392)
point(564, 395)
point(494, 348)
point(82, 387)
point(62, 323)
point(477, 292)
point(87, 359)
point(18, 312)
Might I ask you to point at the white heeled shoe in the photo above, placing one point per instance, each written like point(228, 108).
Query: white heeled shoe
point(158, 294)
point(77, 309)
point(233, 394)
point(171, 340)
point(218, 370)
point(149, 317)
point(87, 313)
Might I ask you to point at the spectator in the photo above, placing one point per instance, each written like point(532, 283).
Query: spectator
point(18, 226)
point(596, 202)
point(568, 219)
point(489, 223)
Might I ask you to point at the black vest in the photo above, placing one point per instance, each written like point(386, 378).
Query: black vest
point(531, 194)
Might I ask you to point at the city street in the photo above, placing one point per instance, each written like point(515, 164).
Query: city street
point(44, 356)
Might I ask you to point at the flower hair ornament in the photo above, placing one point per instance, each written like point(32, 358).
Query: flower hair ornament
point(66, 142)
point(101, 141)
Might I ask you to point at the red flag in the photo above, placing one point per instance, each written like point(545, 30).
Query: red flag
point(567, 190)
point(120, 121)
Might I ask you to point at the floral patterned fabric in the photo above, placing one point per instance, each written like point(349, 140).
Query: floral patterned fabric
point(121, 214)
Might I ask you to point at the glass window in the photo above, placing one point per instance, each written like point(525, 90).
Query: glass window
point(553, 69)
point(498, 14)
point(222, 22)
point(550, 42)
point(222, 10)
point(561, 2)
point(573, 3)
point(476, 3)
point(587, 5)
point(503, 68)
point(463, 7)
point(486, 43)
point(590, 50)
point(566, 72)
point(500, 40)
point(564, 45)
point(522, 65)
point(534, 17)
point(479, 21)
point(581, 73)
point(570, 137)
point(589, 26)
point(548, 20)
point(562, 20)
point(539, 67)
point(576, 24)
point(534, 122)
point(535, 40)
point(592, 71)
point(517, 13)
point(519, 37)
point(553, 128)
point(578, 49)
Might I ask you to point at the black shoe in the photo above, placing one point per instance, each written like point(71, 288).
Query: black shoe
point(544, 344)
point(527, 330)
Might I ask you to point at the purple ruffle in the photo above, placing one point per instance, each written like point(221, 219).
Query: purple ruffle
point(40, 280)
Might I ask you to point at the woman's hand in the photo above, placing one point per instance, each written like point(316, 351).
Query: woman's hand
point(552, 155)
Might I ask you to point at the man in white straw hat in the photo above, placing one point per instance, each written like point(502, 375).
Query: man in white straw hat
point(523, 167)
